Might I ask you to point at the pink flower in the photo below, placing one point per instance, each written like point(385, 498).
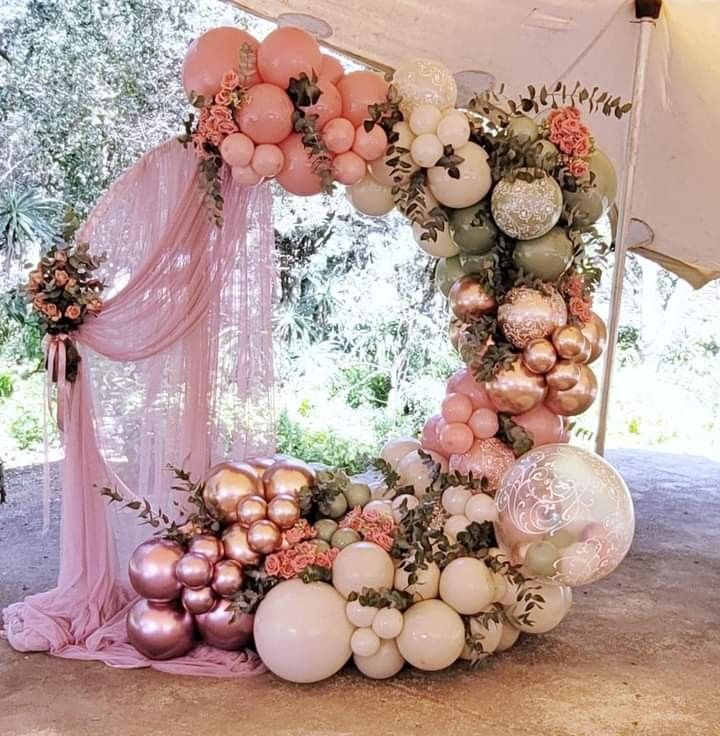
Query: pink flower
point(73, 311)
point(301, 531)
point(577, 167)
point(227, 127)
point(579, 308)
point(39, 302)
point(230, 81)
point(223, 97)
point(568, 133)
point(52, 312)
point(287, 568)
point(220, 113)
point(301, 561)
point(272, 565)
point(61, 277)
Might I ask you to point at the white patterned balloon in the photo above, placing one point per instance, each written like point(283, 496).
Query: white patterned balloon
point(572, 499)
point(424, 82)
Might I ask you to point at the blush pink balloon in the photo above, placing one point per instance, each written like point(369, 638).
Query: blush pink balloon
point(462, 382)
point(429, 438)
point(339, 135)
point(456, 438)
point(348, 168)
point(212, 55)
point(288, 52)
point(545, 427)
point(328, 106)
point(267, 160)
point(266, 116)
point(456, 408)
point(297, 176)
point(245, 176)
point(359, 90)
point(370, 145)
point(237, 150)
point(484, 423)
point(330, 69)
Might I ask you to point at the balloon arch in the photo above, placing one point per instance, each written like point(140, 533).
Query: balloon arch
point(466, 537)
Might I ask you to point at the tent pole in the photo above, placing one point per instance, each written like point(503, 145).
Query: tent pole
point(646, 23)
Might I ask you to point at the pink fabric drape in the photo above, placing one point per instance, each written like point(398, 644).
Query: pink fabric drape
point(176, 369)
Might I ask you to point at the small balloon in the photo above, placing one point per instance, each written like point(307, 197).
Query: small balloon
point(338, 135)
point(456, 408)
point(484, 423)
point(595, 333)
point(473, 229)
point(237, 150)
point(515, 389)
point(237, 547)
point(264, 536)
point(426, 150)
point(348, 168)
point(225, 628)
point(152, 569)
point(371, 198)
point(284, 511)
point(328, 106)
point(563, 375)
point(225, 485)
point(193, 570)
point(267, 160)
point(425, 119)
point(251, 509)
point(569, 342)
point(245, 176)
point(577, 399)
point(539, 355)
point(454, 129)
point(228, 578)
point(371, 144)
point(463, 382)
point(208, 546)
point(198, 600)
point(470, 299)
point(447, 272)
point(456, 438)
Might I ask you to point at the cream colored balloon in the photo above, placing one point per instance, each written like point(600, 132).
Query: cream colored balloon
point(413, 471)
point(365, 642)
point(491, 633)
point(500, 583)
point(467, 585)
point(433, 635)
point(388, 623)
point(474, 182)
point(384, 173)
point(509, 636)
point(425, 119)
point(424, 81)
point(426, 586)
point(395, 450)
point(426, 150)
point(301, 631)
point(371, 198)
point(480, 508)
point(381, 506)
point(386, 662)
point(455, 498)
point(360, 615)
point(404, 499)
point(545, 616)
point(454, 525)
point(454, 129)
point(362, 565)
point(443, 246)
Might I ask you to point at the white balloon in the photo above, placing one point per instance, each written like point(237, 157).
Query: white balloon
point(381, 506)
point(509, 636)
point(384, 173)
point(388, 623)
point(365, 642)
point(500, 584)
point(362, 565)
point(433, 635)
point(426, 150)
point(491, 633)
point(426, 586)
point(453, 129)
point(467, 585)
point(455, 498)
point(413, 471)
point(395, 450)
point(371, 198)
point(480, 508)
point(386, 662)
point(425, 119)
point(404, 499)
point(360, 615)
point(474, 182)
point(301, 631)
point(454, 525)
point(544, 616)
point(442, 247)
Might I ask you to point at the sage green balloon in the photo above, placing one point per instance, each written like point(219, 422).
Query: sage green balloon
point(473, 229)
point(475, 263)
point(357, 494)
point(540, 558)
point(547, 257)
point(591, 201)
point(325, 528)
point(336, 508)
point(521, 126)
point(321, 545)
point(344, 537)
point(543, 155)
point(447, 272)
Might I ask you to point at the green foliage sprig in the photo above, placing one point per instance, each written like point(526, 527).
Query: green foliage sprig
point(318, 499)
point(385, 114)
point(411, 199)
point(257, 584)
point(474, 640)
point(316, 574)
point(383, 598)
point(515, 436)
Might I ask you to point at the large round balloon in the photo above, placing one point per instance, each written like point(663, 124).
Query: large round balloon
point(152, 569)
point(301, 631)
point(569, 499)
point(515, 389)
point(576, 399)
point(224, 628)
point(542, 617)
point(526, 209)
point(288, 52)
point(592, 200)
point(225, 485)
point(424, 82)
point(362, 565)
point(473, 228)
point(370, 197)
point(547, 257)
point(528, 314)
point(359, 90)
point(297, 175)
point(487, 459)
point(160, 630)
point(433, 635)
point(473, 184)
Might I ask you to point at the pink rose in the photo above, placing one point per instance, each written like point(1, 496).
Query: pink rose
point(39, 302)
point(52, 312)
point(230, 81)
point(272, 565)
point(61, 277)
point(578, 168)
point(223, 98)
point(287, 569)
point(302, 561)
point(227, 127)
point(73, 311)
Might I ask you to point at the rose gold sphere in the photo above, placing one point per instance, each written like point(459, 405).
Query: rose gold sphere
point(528, 314)
point(198, 600)
point(454, 332)
point(193, 570)
point(577, 399)
point(224, 628)
point(596, 334)
point(516, 390)
point(469, 299)
point(264, 537)
point(228, 578)
point(160, 630)
point(152, 569)
point(251, 509)
point(568, 341)
point(207, 546)
point(584, 355)
point(235, 543)
point(539, 355)
point(260, 464)
point(284, 510)
point(226, 484)
point(287, 477)
point(564, 375)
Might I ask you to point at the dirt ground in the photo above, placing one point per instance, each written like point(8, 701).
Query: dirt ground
point(639, 653)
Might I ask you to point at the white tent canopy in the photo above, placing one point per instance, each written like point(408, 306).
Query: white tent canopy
point(519, 42)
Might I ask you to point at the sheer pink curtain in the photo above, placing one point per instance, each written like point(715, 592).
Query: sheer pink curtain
point(177, 369)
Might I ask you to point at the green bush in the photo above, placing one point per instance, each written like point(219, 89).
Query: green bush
point(27, 431)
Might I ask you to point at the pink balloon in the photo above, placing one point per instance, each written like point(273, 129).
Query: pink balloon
point(266, 117)
point(484, 423)
point(545, 427)
point(297, 176)
point(359, 90)
point(462, 382)
point(328, 105)
point(456, 438)
point(288, 52)
point(370, 145)
point(456, 408)
point(211, 56)
point(429, 438)
point(237, 150)
point(330, 69)
point(338, 135)
point(267, 160)
point(245, 176)
point(348, 168)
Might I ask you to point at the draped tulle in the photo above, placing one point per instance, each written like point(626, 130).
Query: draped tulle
point(177, 369)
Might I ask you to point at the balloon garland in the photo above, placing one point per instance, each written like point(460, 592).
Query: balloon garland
point(477, 531)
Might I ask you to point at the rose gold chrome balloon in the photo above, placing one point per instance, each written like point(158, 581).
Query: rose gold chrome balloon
point(469, 299)
point(198, 600)
point(250, 509)
point(224, 628)
point(527, 314)
point(585, 353)
point(260, 464)
point(455, 330)
point(264, 537)
point(228, 578)
point(287, 477)
point(488, 459)
point(235, 543)
point(515, 389)
point(207, 546)
point(569, 342)
point(539, 355)
point(577, 399)
point(284, 510)
point(160, 630)
point(193, 570)
point(152, 569)
point(226, 484)
point(596, 334)
point(563, 376)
